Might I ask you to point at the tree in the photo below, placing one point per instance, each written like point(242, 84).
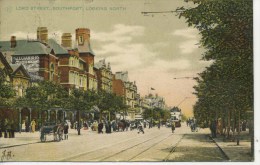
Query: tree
point(110, 103)
point(225, 89)
point(43, 96)
point(7, 92)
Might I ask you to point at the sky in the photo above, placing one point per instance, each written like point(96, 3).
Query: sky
point(154, 48)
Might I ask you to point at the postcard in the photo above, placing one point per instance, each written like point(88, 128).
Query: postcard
point(124, 81)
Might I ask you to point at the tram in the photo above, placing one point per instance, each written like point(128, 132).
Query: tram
point(176, 116)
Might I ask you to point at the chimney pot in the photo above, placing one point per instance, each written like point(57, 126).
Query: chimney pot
point(42, 34)
point(13, 41)
point(66, 40)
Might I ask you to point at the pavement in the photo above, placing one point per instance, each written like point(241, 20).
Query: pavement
point(233, 152)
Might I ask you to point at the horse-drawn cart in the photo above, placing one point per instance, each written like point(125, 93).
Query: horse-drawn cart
point(50, 128)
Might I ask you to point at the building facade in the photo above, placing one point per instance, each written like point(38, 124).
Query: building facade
point(104, 76)
point(128, 90)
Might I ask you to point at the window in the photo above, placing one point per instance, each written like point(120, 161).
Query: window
point(71, 77)
point(81, 81)
point(51, 72)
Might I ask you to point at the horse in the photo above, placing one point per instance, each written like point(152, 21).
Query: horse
point(122, 125)
point(58, 132)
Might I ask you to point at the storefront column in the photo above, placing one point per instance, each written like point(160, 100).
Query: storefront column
point(48, 115)
point(30, 117)
point(20, 120)
point(56, 116)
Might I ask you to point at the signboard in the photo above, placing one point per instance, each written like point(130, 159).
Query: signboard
point(31, 63)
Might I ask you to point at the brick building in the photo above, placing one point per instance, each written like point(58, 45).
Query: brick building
point(76, 67)
point(38, 58)
point(104, 76)
point(128, 90)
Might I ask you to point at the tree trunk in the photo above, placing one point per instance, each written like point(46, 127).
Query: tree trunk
point(228, 127)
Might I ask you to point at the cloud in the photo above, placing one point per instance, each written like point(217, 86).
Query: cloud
point(120, 34)
point(23, 35)
point(188, 47)
point(186, 33)
point(120, 48)
point(55, 35)
point(191, 39)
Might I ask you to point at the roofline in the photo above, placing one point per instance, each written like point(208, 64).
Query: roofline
point(22, 67)
point(6, 62)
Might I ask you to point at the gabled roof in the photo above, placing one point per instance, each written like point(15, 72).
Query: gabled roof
point(33, 47)
point(19, 67)
point(58, 49)
point(6, 64)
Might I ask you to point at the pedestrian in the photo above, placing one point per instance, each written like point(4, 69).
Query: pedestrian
point(173, 126)
point(27, 125)
point(213, 129)
point(127, 124)
point(76, 125)
point(159, 125)
point(95, 125)
point(150, 125)
point(66, 131)
point(140, 127)
point(12, 129)
point(33, 124)
point(100, 127)
point(23, 126)
point(106, 126)
point(144, 124)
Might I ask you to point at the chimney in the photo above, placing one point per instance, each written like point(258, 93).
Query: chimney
point(13, 41)
point(66, 40)
point(82, 36)
point(42, 34)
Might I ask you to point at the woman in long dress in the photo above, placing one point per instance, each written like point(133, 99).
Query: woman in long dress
point(33, 124)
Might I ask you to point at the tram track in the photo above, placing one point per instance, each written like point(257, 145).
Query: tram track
point(150, 147)
point(102, 148)
point(173, 149)
point(120, 152)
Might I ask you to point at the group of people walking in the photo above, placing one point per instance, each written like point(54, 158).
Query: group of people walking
point(192, 123)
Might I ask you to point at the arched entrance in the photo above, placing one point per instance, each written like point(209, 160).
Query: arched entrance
point(25, 119)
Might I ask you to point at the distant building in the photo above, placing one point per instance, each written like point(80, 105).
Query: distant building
point(128, 90)
point(151, 101)
point(104, 76)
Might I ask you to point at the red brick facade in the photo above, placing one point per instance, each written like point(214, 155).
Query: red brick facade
point(49, 67)
point(118, 87)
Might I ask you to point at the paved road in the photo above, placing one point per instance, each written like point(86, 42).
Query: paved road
point(154, 145)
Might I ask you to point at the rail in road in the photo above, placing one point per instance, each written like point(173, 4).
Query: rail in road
point(120, 143)
point(122, 150)
point(154, 145)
